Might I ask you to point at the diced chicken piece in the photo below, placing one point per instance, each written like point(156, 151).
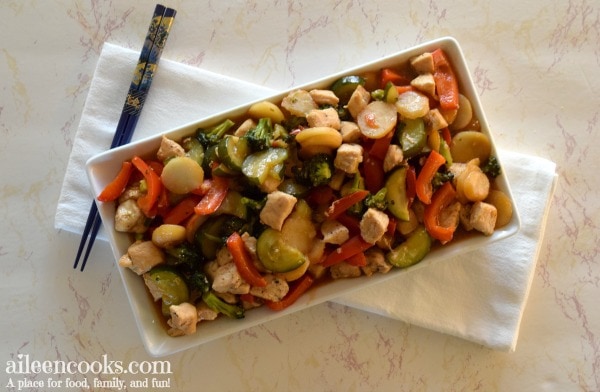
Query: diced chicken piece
point(245, 127)
point(344, 270)
point(348, 157)
point(350, 132)
point(483, 217)
point(131, 192)
point(277, 208)
point(324, 97)
point(358, 101)
point(275, 289)
point(227, 279)
point(129, 218)
point(223, 256)
point(169, 149)
point(334, 232)
point(205, 313)
point(299, 103)
point(424, 83)
point(250, 245)
point(465, 217)
point(373, 225)
point(435, 121)
point(423, 63)
point(450, 215)
point(393, 157)
point(183, 319)
point(142, 256)
point(324, 118)
point(375, 262)
point(457, 168)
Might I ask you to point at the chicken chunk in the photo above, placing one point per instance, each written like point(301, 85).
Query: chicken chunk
point(324, 118)
point(358, 101)
point(245, 127)
point(348, 157)
point(373, 225)
point(324, 97)
point(350, 132)
point(142, 256)
point(435, 120)
point(275, 289)
point(450, 215)
point(423, 63)
point(483, 217)
point(424, 83)
point(183, 319)
point(344, 270)
point(334, 232)
point(393, 157)
point(375, 262)
point(169, 149)
point(205, 313)
point(129, 218)
point(227, 279)
point(277, 208)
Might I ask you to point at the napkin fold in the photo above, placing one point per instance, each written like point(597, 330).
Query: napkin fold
point(478, 297)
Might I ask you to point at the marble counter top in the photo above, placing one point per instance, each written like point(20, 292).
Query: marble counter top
point(536, 68)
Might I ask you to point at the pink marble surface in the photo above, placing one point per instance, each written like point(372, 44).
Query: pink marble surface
point(536, 67)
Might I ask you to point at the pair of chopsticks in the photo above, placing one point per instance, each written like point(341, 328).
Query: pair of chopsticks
point(156, 38)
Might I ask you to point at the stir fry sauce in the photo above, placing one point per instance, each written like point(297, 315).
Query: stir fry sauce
point(359, 178)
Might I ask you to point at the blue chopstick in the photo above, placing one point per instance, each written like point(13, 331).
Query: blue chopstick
point(156, 38)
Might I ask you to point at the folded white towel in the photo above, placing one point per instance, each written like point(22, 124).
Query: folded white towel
point(479, 296)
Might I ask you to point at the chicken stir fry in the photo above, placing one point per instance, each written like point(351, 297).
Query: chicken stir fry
point(337, 183)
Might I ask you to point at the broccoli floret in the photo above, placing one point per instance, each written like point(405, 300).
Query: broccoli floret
point(440, 178)
point(254, 205)
point(183, 254)
point(220, 306)
point(295, 122)
point(197, 281)
point(315, 171)
point(211, 136)
point(377, 200)
point(492, 167)
point(261, 136)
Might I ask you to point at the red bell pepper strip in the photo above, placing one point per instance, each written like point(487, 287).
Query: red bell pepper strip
point(300, 286)
point(214, 197)
point(403, 89)
point(441, 198)
point(446, 135)
point(243, 261)
point(446, 84)
point(389, 75)
point(348, 249)
point(358, 260)
point(114, 189)
point(351, 222)
point(340, 205)
point(154, 186)
point(380, 146)
point(373, 173)
point(423, 186)
point(182, 210)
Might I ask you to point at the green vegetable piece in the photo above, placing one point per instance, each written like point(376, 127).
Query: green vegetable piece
point(345, 86)
point(445, 152)
point(261, 136)
point(233, 205)
point(413, 137)
point(232, 151)
point(211, 136)
point(171, 285)
point(275, 254)
point(315, 171)
point(220, 306)
point(397, 200)
point(212, 234)
point(492, 167)
point(378, 200)
point(194, 149)
point(261, 165)
point(411, 251)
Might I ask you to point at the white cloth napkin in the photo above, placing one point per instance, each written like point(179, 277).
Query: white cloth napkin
point(480, 298)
